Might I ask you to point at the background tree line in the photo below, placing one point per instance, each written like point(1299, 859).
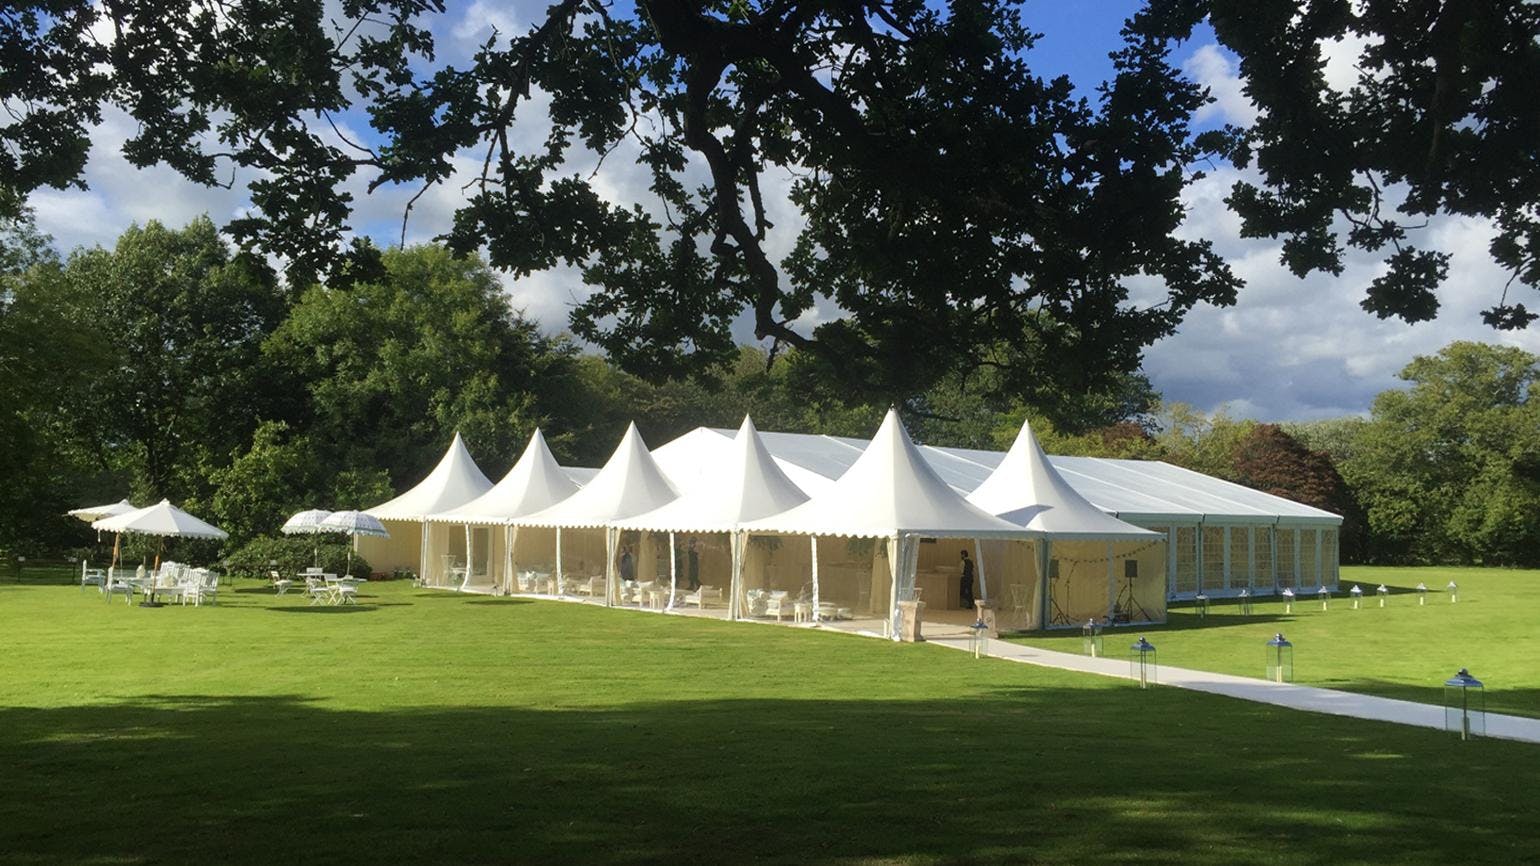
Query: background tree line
point(175, 366)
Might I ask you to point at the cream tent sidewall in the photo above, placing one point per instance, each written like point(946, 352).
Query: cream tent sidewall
point(401, 550)
point(1014, 586)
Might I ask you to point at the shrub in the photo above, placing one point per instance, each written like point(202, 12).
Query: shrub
point(292, 554)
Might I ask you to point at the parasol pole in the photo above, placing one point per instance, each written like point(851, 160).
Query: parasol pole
point(112, 571)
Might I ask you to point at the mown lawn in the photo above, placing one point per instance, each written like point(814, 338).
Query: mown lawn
point(1404, 650)
point(424, 726)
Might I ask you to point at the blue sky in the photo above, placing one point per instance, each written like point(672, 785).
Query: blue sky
point(1289, 349)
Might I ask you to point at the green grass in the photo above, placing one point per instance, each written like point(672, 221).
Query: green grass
point(424, 726)
point(1401, 651)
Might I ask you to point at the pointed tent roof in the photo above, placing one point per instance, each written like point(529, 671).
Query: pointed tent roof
point(455, 481)
point(749, 485)
point(1028, 491)
point(162, 518)
point(534, 483)
point(629, 484)
point(889, 489)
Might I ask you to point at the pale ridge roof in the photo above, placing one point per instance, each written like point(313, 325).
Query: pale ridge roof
point(535, 482)
point(1028, 491)
point(629, 484)
point(748, 486)
point(455, 481)
point(890, 489)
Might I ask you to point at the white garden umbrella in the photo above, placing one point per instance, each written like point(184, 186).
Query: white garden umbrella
point(354, 523)
point(307, 523)
point(93, 513)
point(162, 519)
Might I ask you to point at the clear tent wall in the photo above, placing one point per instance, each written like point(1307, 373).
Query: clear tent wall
point(1220, 560)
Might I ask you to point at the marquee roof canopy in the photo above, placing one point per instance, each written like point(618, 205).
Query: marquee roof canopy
point(630, 483)
point(1028, 491)
point(534, 483)
point(889, 489)
point(746, 486)
point(455, 481)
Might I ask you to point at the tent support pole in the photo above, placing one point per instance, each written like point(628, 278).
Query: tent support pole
point(739, 541)
point(470, 558)
point(673, 571)
point(560, 582)
point(510, 537)
point(1112, 585)
point(1044, 556)
point(611, 536)
point(422, 555)
point(895, 551)
point(978, 562)
point(814, 539)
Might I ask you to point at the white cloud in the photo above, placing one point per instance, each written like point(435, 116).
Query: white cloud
point(1212, 68)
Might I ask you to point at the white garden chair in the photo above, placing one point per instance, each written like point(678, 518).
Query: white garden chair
point(120, 585)
point(280, 583)
point(92, 577)
point(699, 596)
point(318, 591)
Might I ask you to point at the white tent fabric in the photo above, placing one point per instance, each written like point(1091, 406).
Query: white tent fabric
point(747, 487)
point(93, 513)
point(535, 482)
point(629, 484)
point(692, 461)
point(1028, 491)
point(889, 490)
point(455, 481)
point(163, 519)
point(306, 522)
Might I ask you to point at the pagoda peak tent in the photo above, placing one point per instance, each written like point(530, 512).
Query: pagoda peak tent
point(534, 483)
point(748, 486)
point(890, 492)
point(162, 519)
point(1028, 491)
point(691, 461)
point(1083, 546)
point(455, 481)
point(630, 483)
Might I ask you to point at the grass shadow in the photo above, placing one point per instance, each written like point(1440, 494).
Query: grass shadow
point(328, 608)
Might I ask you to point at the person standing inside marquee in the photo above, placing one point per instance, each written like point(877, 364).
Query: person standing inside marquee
point(965, 586)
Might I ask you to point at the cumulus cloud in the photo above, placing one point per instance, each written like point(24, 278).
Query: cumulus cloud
point(1213, 68)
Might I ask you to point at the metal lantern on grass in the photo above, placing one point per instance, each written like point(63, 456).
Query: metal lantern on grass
point(1357, 595)
point(1141, 662)
point(1465, 709)
point(1091, 638)
point(1324, 595)
point(1422, 594)
point(1288, 600)
point(1245, 602)
point(1200, 604)
point(1383, 592)
point(978, 639)
point(1280, 659)
point(1454, 592)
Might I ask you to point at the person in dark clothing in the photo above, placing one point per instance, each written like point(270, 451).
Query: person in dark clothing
point(694, 570)
point(965, 586)
point(627, 564)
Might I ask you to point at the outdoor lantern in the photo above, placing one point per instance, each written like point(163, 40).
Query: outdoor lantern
point(1357, 594)
point(1141, 661)
point(1324, 595)
point(1245, 602)
point(1464, 705)
point(1280, 659)
point(979, 639)
point(1422, 594)
point(1288, 600)
point(1091, 638)
point(1382, 592)
point(1454, 592)
point(1201, 606)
